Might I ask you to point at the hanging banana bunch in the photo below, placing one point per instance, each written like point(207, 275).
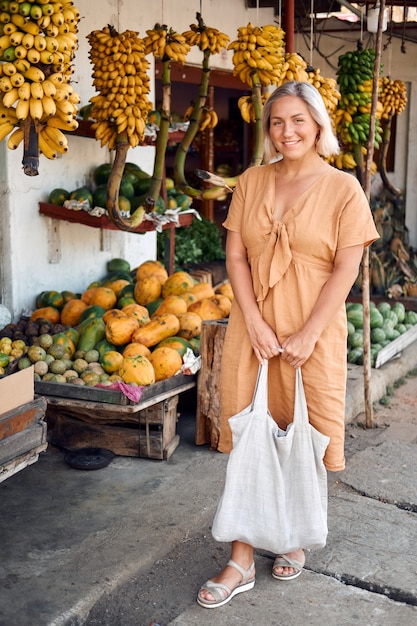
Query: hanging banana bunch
point(121, 107)
point(293, 68)
point(327, 88)
point(355, 78)
point(392, 98)
point(37, 102)
point(166, 44)
point(247, 109)
point(259, 54)
point(121, 79)
point(200, 116)
point(259, 61)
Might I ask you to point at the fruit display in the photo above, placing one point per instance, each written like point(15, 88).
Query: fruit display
point(132, 326)
point(37, 101)
point(355, 79)
point(134, 186)
point(120, 77)
point(387, 323)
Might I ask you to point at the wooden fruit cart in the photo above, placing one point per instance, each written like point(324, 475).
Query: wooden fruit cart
point(105, 418)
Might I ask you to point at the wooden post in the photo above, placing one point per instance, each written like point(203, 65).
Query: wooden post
point(365, 258)
point(208, 384)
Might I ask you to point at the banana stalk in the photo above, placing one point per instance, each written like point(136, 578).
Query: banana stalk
point(113, 186)
point(30, 160)
point(162, 138)
point(360, 166)
point(382, 165)
point(191, 132)
point(257, 107)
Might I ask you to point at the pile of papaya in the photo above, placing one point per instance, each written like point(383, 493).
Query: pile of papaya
point(133, 326)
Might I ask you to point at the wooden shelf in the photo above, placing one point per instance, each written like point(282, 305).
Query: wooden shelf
point(85, 130)
point(82, 217)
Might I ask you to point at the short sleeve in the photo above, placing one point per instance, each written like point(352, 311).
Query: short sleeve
point(356, 224)
point(234, 217)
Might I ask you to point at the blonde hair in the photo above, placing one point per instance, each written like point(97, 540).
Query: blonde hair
point(327, 142)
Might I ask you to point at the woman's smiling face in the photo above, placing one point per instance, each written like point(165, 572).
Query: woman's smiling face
point(292, 128)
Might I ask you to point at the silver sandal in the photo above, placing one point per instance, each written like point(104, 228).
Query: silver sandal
point(222, 593)
point(284, 561)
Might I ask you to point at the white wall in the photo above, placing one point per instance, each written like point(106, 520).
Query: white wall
point(38, 253)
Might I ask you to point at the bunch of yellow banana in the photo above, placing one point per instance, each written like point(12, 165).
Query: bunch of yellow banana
point(293, 68)
point(206, 38)
point(246, 107)
point(166, 44)
point(392, 96)
point(259, 50)
point(37, 46)
point(327, 88)
point(344, 161)
point(208, 119)
point(120, 76)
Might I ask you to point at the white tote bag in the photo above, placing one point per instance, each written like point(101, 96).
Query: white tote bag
point(275, 493)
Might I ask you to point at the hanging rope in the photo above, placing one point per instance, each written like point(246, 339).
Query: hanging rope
point(311, 32)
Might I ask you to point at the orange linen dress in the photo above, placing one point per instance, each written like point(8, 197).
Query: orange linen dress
point(290, 261)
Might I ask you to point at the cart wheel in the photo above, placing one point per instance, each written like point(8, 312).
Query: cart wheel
point(89, 458)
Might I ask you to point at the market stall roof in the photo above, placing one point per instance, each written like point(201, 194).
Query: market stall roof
point(332, 16)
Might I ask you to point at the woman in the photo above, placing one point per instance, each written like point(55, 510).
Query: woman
point(297, 228)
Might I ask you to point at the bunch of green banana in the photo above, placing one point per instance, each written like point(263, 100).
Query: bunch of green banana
point(392, 96)
point(120, 76)
point(206, 38)
point(37, 45)
point(327, 88)
point(166, 44)
point(355, 79)
point(259, 54)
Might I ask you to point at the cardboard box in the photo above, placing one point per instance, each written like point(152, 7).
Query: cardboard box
point(17, 389)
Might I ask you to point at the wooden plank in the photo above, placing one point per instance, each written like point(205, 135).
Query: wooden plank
point(23, 417)
point(82, 217)
point(150, 394)
point(19, 463)
point(99, 412)
point(208, 385)
point(396, 346)
point(20, 443)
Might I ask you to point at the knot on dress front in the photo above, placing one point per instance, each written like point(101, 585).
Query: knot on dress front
point(275, 258)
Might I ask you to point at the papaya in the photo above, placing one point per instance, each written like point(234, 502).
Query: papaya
point(92, 333)
point(92, 312)
point(176, 343)
point(104, 346)
point(165, 325)
point(58, 196)
point(166, 362)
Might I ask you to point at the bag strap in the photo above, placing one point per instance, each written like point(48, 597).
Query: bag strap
point(300, 403)
point(260, 395)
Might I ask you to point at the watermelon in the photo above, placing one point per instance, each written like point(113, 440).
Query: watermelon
point(399, 310)
point(376, 319)
point(383, 307)
point(377, 335)
point(410, 317)
point(355, 316)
